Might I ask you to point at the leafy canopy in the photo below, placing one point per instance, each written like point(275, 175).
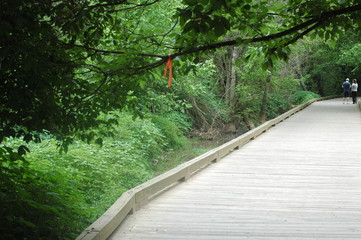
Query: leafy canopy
point(64, 62)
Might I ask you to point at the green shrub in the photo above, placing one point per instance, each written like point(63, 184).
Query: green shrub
point(301, 97)
point(248, 102)
point(142, 134)
point(173, 127)
point(102, 173)
point(277, 104)
point(38, 203)
point(55, 196)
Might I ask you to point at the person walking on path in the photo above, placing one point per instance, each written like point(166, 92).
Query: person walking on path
point(346, 90)
point(354, 87)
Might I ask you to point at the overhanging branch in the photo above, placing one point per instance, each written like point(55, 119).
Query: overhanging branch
point(323, 17)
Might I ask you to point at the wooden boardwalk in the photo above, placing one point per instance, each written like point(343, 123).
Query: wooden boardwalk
point(299, 180)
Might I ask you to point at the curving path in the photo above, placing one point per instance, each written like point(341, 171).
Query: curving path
point(299, 180)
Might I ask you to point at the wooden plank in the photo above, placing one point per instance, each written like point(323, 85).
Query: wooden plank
point(300, 180)
point(140, 195)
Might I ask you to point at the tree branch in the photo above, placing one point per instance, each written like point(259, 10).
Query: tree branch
point(321, 18)
point(109, 51)
point(122, 3)
point(306, 26)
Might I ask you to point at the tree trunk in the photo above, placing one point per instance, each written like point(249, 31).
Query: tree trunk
point(303, 86)
point(228, 82)
point(262, 114)
point(231, 75)
point(248, 122)
point(233, 79)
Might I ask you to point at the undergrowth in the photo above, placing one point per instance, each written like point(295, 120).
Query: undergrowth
point(50, 195)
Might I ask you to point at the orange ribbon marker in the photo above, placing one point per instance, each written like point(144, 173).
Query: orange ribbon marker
point(168, 65)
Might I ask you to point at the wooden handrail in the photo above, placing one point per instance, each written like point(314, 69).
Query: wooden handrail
point(133, 199)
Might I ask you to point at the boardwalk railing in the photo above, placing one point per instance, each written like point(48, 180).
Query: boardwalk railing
point(133, 199)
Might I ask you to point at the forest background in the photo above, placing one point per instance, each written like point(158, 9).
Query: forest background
point(86, 112)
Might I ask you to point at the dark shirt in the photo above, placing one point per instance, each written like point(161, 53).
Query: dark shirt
point(346, 86)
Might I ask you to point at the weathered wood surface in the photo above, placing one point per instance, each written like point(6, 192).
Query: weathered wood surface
point(300, 180)
point(135, 198)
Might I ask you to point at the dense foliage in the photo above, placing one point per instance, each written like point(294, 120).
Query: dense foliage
point(329, 64)
point(54, 195)
point(75, 74)
point(75, 59)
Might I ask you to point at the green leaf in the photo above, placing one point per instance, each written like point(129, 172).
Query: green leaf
point(219, 29)
point(28, 137)
point(189, 26)
point(22, 150)
point(185, 15)
point(247, 7)
point(99, 141)
point(190, 2)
